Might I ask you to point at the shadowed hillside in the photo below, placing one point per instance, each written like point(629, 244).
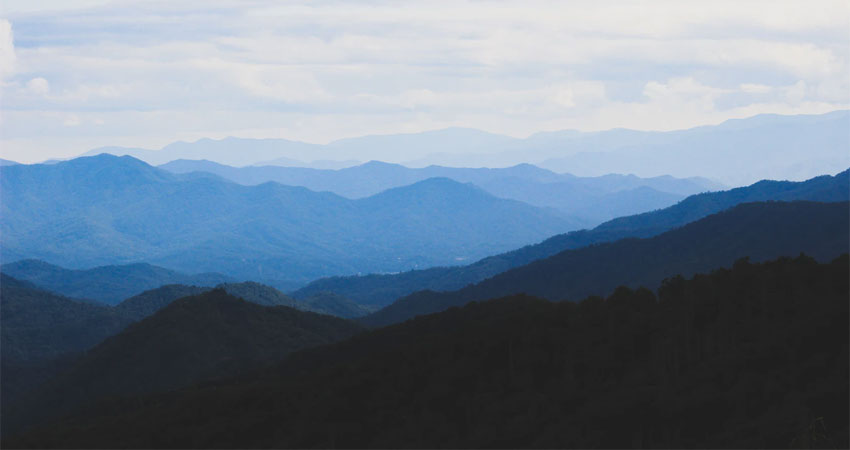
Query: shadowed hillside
point(759, 230)
point(755, 356)
point(195, 338)
point(107, 284)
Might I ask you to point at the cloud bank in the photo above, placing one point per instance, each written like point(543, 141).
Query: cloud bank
point(77, 75)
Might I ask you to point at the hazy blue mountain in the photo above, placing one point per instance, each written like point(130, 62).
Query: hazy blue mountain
point(231, 151)
point(760, 231)
point(778, 147)
point(322, 164)
point(763, 146)
point(375, 176)
point(196, 338)
point(383, 289)
point(449, 140)
point(114, 210)
point(6, 162)
point(592, 199)
point(107, 284)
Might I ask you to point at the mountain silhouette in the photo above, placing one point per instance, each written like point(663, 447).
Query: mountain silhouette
point(107, 210)
point(593, 199)
point(773, 146)
point(383, 289)
point(757, 230)
point(753, 356)
point(195, 338)
point(107, 284)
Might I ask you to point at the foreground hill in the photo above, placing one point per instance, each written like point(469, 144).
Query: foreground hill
point(39, 325)
point(40, 331)
point(43, 332)
point(755, 356)
point(195, 338)
point(111, 210)
point(106, 284)
point(757, 230)
point(593, 199)
point(383, 289)
point(149, 302)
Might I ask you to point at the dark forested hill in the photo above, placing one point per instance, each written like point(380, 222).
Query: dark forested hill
point(755, 356)
point(40, 331)
point(757, 230)
point(39, 325)
point(194, 338)
point(148, 302)
point(107, 284)
point(111, 210)
point(383, 289)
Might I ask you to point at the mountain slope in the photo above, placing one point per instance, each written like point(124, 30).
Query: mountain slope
point(756, 230)
point(383, 289)
point(593, 199)
point(41, 331)
point(107, 284)
point(147, 303)
point(755, 356)
point(110, 210)
point(373, 177)
point(195, 338)
point(39, 325)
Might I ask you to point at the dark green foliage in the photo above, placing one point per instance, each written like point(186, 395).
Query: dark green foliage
point(761, 230)
point(40, 325)
point(107, 284)
point(109, 210)
point(40, 332)
point(195, 338)
point(384, 289)
point(335, 305)
point(755, 356)
point(143, 305)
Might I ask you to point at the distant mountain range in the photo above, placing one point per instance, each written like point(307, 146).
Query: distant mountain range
point(760, 231)
point(763, 146)
point(593, 199)
point(383, 289)
point(108, 210)
point(752, 356)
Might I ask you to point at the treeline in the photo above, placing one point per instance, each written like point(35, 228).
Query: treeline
point(751, 356)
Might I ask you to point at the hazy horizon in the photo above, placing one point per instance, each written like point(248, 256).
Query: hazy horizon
point(82, 74)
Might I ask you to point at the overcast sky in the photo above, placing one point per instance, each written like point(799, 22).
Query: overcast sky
point(78, 74)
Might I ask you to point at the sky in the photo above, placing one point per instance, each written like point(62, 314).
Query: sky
point(80, 74)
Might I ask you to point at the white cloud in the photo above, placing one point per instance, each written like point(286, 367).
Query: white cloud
point(7, 50)
point(72, 121)
point(755, 88)
point(38, 86)
point(323, 70)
